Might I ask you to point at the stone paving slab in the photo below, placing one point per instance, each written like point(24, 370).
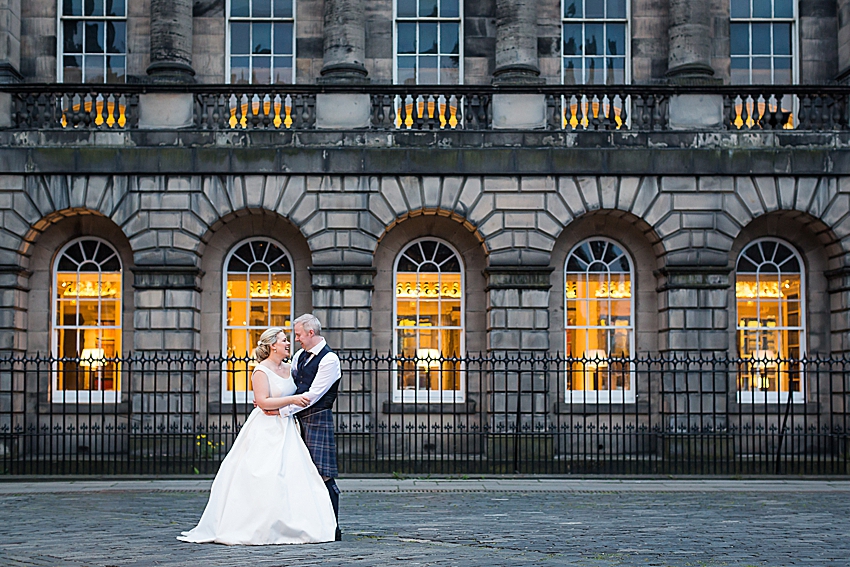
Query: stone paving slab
point(464, 523)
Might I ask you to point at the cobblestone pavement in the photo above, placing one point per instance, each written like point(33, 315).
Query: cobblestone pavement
point(489, 522)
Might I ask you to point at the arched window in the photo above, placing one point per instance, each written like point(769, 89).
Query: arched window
point(769, 292)
point(599, 322)
point(258, 295)
point(87, 322)
point(429, 322)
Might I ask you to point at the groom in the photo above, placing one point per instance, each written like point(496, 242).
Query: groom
point(316, 371)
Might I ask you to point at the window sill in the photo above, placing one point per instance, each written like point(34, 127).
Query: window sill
point(83, 408)
point(579, 408)
point(228, 408)
point(426, 408)
point(774, 408)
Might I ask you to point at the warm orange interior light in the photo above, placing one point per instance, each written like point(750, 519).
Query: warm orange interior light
point(282, 114)
point(115, 113)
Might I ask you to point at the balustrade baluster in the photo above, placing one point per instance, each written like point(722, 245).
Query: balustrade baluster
point(729, 111)
point(745, 112)
point(459, 116)
point(624, 111)
point(484, 113)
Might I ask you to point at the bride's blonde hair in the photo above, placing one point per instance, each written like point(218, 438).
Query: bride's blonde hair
point(264, 345)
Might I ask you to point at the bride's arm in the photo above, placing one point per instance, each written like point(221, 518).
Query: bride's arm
point(262, 397)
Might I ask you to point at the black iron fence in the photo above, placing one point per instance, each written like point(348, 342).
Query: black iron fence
point(570, 108)
point(485, 414)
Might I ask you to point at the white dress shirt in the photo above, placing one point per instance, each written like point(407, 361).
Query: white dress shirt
point(327, 373)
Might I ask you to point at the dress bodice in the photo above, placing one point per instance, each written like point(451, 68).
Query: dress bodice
point(279, 386)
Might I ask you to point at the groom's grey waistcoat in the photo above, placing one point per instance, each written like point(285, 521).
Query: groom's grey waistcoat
point(305, 373)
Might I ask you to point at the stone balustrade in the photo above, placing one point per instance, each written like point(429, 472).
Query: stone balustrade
point(566, 108)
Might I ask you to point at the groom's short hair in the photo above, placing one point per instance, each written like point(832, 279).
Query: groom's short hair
point(309, 322)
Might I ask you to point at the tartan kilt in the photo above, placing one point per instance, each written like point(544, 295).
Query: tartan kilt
point(317, 430)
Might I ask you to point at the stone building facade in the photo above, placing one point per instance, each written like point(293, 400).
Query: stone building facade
point(175, 194)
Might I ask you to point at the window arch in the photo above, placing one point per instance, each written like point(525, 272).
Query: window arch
point(87, 322)
point(599, 322)
point(258, 294)
point(769, 292)
point(429, 322)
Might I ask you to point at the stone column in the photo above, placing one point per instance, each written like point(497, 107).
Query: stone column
point(344, 42)
point(171, 41)
point(689, 54)
point(10, 41)
point(516, 64)
point(516, 42)
point(844, 41)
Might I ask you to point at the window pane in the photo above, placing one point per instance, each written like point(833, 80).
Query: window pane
point(93, 71)
point(593, 40)
point(95, 32)
point(783, 9)
point(449, 42)
point(72, 70)
point(239, 70)
point(616, 71)
point(282, 39)
point(428, 71)
point(261, 9)
point(261, 40)
point(116, 8)
point(72, 7)
point(282, 8)
point(616, 9)
point(573, 8)
point(427, 8)
point(407, 70)
point(450, 70)
point(72, 37)
point(93, 7)
point(594, 8)
point(261, 70)
point(240, 38)
point(406, 8)
point(739, 39)
point(572, 71)
point(240, 8)
point(427, 38)
point(572, 39)
point(407, 38)
point(761, 8)
point(782, 39)
point(116, 69)
point(761, 39)
point(616, 39)
point(761, 71)
point(782, 74)
point(115, 37)
point(282, 70)
point(593, 71)
point(740, 8)
point(449, 8)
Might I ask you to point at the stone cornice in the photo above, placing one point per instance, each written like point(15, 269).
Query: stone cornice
point(693, 277)
point(518, 277)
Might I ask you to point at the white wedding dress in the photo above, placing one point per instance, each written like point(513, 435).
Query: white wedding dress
point(267, 490)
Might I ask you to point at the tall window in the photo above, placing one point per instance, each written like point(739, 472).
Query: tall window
point(762, 41)
point(428, 42)
point(262, 42)
point(596, 42)
point(769, 292)
point(599, 322)
point(429, 322)
point(87, 322)
point(258, 295)
point(93, 41)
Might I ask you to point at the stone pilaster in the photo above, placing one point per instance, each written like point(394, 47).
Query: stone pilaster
point(342, 300)
point(838, 282)
point(14, 283)
point(516, 42)
point(171, 41)
point(518, 310)
point(167, 309)
point(694, 322)
point(344, 45)
point(689, 52)
point(10, 41)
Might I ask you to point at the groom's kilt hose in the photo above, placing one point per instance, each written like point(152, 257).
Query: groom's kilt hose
point(317, 430)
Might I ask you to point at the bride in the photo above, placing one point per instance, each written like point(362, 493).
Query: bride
point(267, 490)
